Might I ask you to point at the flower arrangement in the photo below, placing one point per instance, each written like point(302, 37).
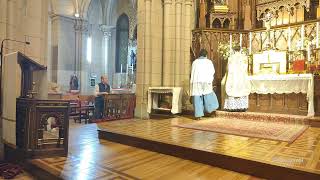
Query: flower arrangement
point(224, 50)
point(245, 51)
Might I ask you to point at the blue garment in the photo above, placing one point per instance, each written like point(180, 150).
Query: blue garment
point(208, 103)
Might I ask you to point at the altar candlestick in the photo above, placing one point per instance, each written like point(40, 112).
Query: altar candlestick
point(317, 36)
point(250, 42)
point(302, 36)
point(289, 38)
point(240, 41)
point(127, 73)
point(309, 53)
point(230, 43)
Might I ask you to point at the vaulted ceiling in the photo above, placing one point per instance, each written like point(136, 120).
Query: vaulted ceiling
point(71, 7)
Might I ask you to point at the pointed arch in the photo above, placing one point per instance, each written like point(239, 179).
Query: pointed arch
point(122, 42)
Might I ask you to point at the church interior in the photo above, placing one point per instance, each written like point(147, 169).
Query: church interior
point(113, 89)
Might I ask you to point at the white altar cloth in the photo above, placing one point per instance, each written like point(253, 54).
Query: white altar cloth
point(285, 84)
point(176, 98)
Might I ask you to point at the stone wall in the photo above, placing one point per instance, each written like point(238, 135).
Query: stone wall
point(164, 41)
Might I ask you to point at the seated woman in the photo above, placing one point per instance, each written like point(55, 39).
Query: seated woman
point(237, 84)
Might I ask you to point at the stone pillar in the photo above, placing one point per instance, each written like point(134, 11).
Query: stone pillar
point(166, 72)
point(186, 46)
point(147, 44)
point(12, 24)
point(202, 18)
point(80, 27)
point(143, 56)
point(177, 74)
point(107, 33)
point(3, 19)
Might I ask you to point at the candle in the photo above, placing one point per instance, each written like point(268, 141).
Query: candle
point(240, 41)
point(230, 41)
point(317, 36)
point(309, 53)
point(250, 42)
point(127, 68)
point(289, 38)
point(302, 36)
point(127, 73)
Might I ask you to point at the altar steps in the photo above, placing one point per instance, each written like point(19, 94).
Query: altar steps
point(285, 118)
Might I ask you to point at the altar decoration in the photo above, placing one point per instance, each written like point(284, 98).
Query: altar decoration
point(298, 66)
point(224, 49)
point(270, 62)
point(301, 55)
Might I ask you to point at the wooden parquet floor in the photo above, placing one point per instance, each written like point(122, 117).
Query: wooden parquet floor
point(91, 158)
point(303, 154)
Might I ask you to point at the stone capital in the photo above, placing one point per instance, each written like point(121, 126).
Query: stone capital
point(188, 2)
point(81, 25)
point(178, 1)
point(167, 1)
point(106, 30)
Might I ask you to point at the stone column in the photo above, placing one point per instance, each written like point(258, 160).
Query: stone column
point(3, 19)
point(187, 44)
point(147, 44)
point(12, 24)
point(107, 33)
point(177, 74)
point(166, 71)
point(143, 57)
point(80, 27)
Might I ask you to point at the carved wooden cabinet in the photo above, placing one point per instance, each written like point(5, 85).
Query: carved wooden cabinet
point(42, 127)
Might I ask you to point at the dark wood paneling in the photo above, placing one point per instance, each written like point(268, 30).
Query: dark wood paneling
point(38, 136)
point(279, 103)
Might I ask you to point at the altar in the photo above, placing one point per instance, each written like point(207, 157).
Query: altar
point(283, 85)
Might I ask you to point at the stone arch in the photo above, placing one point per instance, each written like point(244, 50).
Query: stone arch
point(122, 40)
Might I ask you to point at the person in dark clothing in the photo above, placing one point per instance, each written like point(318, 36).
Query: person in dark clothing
point(100, 90)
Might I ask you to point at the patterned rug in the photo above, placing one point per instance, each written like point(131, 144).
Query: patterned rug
point(279, 131)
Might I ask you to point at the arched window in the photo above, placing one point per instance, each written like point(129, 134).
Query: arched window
point(122, 43)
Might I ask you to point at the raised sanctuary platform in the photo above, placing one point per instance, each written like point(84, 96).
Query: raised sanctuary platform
point(259, 157)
